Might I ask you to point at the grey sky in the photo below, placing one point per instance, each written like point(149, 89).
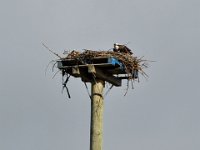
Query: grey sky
point(161, 113)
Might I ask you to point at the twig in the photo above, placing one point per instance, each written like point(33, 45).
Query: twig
point(48, 66)
point(56, 73)
point(51, 50)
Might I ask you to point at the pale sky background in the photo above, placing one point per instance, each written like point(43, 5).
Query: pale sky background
point(161, 113)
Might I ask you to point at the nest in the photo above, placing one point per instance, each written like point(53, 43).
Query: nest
point(131, 63)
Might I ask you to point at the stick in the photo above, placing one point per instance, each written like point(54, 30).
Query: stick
point(51, 50)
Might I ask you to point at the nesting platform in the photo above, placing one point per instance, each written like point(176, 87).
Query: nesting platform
point(109, 69)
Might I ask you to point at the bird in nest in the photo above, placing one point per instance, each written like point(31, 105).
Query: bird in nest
point(121, 48)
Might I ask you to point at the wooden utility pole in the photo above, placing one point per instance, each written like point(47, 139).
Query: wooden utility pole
point(97, 107)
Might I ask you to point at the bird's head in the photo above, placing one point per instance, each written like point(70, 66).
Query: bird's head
point(115, 44)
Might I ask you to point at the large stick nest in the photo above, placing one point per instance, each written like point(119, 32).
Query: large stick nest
point(130, 62)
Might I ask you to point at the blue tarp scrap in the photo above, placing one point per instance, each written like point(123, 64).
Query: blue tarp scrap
point(114, 62)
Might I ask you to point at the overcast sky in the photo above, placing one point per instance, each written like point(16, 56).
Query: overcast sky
point(161, 113)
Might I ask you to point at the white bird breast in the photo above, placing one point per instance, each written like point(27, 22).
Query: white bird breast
point(116, 47)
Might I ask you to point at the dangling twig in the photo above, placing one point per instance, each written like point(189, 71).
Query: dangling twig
point(108, 90)
point(48, 66)
point(127, 87)
point(132, 83)
point(88, 91)
point(65, 86)
point(56, 73)
point(54, 66)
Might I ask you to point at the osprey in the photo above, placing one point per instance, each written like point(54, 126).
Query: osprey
point(121, 48)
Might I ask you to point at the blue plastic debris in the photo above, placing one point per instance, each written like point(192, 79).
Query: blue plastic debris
point(115, 62)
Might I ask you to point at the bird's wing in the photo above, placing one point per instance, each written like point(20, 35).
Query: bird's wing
point(127, 49)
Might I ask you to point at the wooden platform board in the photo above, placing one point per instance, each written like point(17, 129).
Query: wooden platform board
point(105, 68)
